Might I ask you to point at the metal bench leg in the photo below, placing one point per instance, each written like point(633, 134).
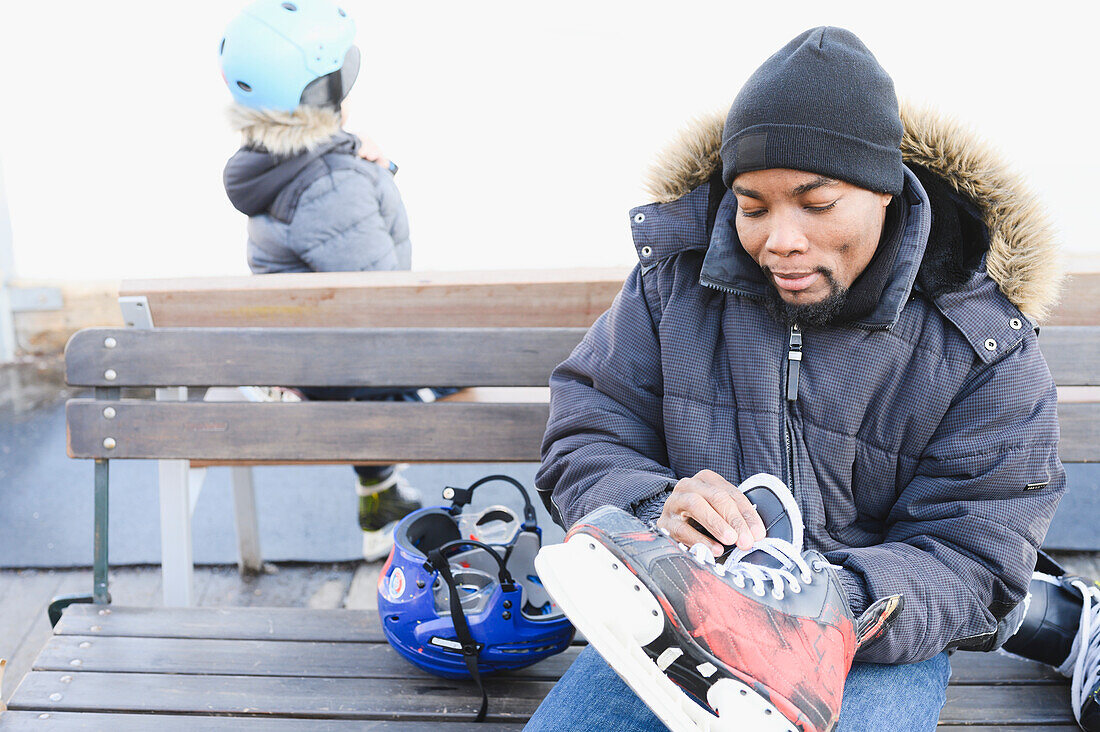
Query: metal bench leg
point(102, 514)
point(175, 532)
point(249, 559)
point(99, 595)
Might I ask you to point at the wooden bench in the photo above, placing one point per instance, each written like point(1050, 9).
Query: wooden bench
point(544, 298)
point(111, 667)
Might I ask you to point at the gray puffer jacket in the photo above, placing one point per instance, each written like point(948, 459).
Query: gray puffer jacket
point(921, 442)
point(324, 209)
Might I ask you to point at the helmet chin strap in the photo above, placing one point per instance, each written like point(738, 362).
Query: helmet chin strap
point(470, 648)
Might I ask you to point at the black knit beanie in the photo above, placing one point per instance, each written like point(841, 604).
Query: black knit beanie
point(821, 104)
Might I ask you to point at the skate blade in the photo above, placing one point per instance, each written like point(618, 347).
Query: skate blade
point(598, 595)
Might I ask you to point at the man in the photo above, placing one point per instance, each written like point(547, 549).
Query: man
point(809, 305)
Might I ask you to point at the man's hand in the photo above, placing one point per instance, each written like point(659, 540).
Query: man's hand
point(716, 505)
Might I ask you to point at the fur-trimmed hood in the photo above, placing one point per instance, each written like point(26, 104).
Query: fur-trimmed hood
point(284, 133)
point(1023, 257)
point(276, 147)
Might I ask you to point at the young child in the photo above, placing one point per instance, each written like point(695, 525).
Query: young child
point(318, 199)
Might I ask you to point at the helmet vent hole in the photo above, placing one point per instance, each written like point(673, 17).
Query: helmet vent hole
point(221, 48)
point(244, 86)
point(290, 6)
point(394, 618)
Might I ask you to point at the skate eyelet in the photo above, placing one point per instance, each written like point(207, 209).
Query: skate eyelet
point(807, 578)
point(655, 613)
point(737, 580)
point(777, 595)
point(759, 591)
point(796, 588)
point(591, 546)
point(614, 566)
point(744, 693)
point(637, 588)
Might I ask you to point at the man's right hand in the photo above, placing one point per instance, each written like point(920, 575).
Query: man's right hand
point(716, 505)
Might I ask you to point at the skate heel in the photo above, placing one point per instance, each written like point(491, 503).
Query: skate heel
point(739, 707)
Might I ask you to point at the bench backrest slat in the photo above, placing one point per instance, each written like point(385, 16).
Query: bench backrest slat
point(367, 431)
point(379, 357)
point(307, 431)
point(386, 357)
point(1072, 353)
point(1080, 438)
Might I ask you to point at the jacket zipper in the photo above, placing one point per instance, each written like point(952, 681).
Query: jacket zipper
point(794, 363)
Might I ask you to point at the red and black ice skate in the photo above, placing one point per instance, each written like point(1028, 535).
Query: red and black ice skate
point(763, 641)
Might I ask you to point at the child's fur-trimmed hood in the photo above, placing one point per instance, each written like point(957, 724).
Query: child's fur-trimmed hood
point(1024, 257)
point(284, 134)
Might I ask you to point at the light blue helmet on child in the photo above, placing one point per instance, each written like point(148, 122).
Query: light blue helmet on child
point(276, 55)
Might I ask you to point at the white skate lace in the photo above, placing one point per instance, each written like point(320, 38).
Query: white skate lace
point(1086, 645)
point(760, 575)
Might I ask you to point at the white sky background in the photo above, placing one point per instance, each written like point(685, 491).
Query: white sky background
point(523, 130)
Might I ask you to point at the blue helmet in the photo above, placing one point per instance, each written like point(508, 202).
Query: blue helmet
point(459, 596)
point(276, 55)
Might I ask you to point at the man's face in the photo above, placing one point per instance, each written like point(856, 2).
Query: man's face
point(812, 235)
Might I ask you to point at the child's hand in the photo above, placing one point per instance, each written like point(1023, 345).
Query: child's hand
point(370, 150)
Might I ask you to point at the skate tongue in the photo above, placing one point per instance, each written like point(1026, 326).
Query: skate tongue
point(773, 553)
point(763, 559)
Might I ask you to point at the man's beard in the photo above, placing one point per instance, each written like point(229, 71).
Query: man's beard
point(821, 313)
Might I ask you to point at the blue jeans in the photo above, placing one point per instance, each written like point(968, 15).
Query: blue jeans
point(591, 696)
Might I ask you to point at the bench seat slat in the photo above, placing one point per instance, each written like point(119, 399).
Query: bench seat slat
point(413, 699)
point(224, 623)
point(251, 658)
point(363, 626)
point(98, 722)
point(376, 659)
point(376, 357)
point(227, 623)
point(285, 696)
point(308, 431)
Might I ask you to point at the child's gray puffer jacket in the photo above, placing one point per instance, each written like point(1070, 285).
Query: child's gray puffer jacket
point(313, 204)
